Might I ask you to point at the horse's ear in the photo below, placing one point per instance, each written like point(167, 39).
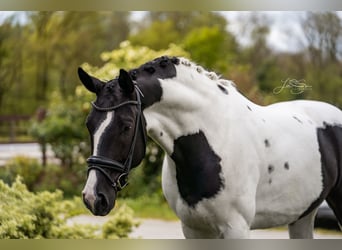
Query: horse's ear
point(91, 83)
point(125, 81)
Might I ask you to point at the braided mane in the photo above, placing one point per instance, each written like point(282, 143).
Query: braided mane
point(209, 74)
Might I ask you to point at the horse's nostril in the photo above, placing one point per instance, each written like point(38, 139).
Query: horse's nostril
point(103, 204)
point(101, 201)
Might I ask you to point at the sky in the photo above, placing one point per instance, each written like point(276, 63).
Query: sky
point(285, 35)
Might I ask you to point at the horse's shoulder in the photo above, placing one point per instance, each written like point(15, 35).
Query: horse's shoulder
point(198, 168)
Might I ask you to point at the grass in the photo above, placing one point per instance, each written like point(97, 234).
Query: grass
point(151, 207)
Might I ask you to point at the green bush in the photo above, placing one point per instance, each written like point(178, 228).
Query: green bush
point(28, 168)
point(120, 224)
point(64, 130)
point(24, 215)
point(39, 178)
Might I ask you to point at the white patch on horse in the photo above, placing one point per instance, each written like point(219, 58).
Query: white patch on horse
point(100, 131)
point(198, 92)
point(89, 189)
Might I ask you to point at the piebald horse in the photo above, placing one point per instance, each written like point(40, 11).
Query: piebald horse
point(230, 165)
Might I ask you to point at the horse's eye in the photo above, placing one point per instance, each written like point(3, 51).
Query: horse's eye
point(126, 129)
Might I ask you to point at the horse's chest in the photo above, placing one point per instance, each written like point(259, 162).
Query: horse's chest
point(198, 168)
point(188, 195)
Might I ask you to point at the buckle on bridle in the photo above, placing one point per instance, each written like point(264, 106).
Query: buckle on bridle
point(121, 182)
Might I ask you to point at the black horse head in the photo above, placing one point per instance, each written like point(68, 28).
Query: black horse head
point(118, 135)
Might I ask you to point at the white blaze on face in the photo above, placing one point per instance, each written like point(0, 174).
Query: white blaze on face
point(89, 189)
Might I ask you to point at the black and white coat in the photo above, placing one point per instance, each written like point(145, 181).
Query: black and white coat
point(232, 165)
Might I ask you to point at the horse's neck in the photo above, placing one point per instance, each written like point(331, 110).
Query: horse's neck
point(187, 106)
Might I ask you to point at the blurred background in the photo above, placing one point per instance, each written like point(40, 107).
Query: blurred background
point(43, 106)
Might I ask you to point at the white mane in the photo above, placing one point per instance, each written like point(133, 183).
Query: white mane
point(209, 74)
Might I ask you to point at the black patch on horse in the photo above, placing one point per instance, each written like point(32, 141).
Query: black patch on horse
point(223, 89)
point(270, 169)
point(147, 76)
point(198, 168)
point(267, 143)
point(330, 147)
point(297, 119)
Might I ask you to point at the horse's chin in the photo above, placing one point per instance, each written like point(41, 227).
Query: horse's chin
point(102, 211)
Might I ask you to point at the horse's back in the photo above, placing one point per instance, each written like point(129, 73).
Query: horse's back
point(317, 111)
point(301, 135)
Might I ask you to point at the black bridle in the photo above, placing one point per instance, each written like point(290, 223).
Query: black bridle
point(101, 163)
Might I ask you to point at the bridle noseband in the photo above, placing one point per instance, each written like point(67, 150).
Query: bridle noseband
point(101, 163)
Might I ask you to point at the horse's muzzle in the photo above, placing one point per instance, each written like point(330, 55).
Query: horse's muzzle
point(98, 204)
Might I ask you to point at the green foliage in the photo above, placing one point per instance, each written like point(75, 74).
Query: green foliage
point(146, 179)
point(24, 215)
point(148, 37)
point(10, 60)
point(63, 128)
point(210, 47)
point(27, 215)
point(39, 178)
point(202, 34)
point(326, 84)
point(129, 56)
point(29, 168)
point(120, 224)
point(42, 54)
point(181, 22)
point(272, 79)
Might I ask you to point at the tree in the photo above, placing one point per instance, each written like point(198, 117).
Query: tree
point(211, 47)
point(174, 27)
point(11, 60)
point(151, 36)
point(40, 54)
point(184, 22)
point(82, 36)
point(43, 53)
point(3, 56)
point(323, 32)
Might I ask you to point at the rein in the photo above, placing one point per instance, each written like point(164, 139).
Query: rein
point(101, 163)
